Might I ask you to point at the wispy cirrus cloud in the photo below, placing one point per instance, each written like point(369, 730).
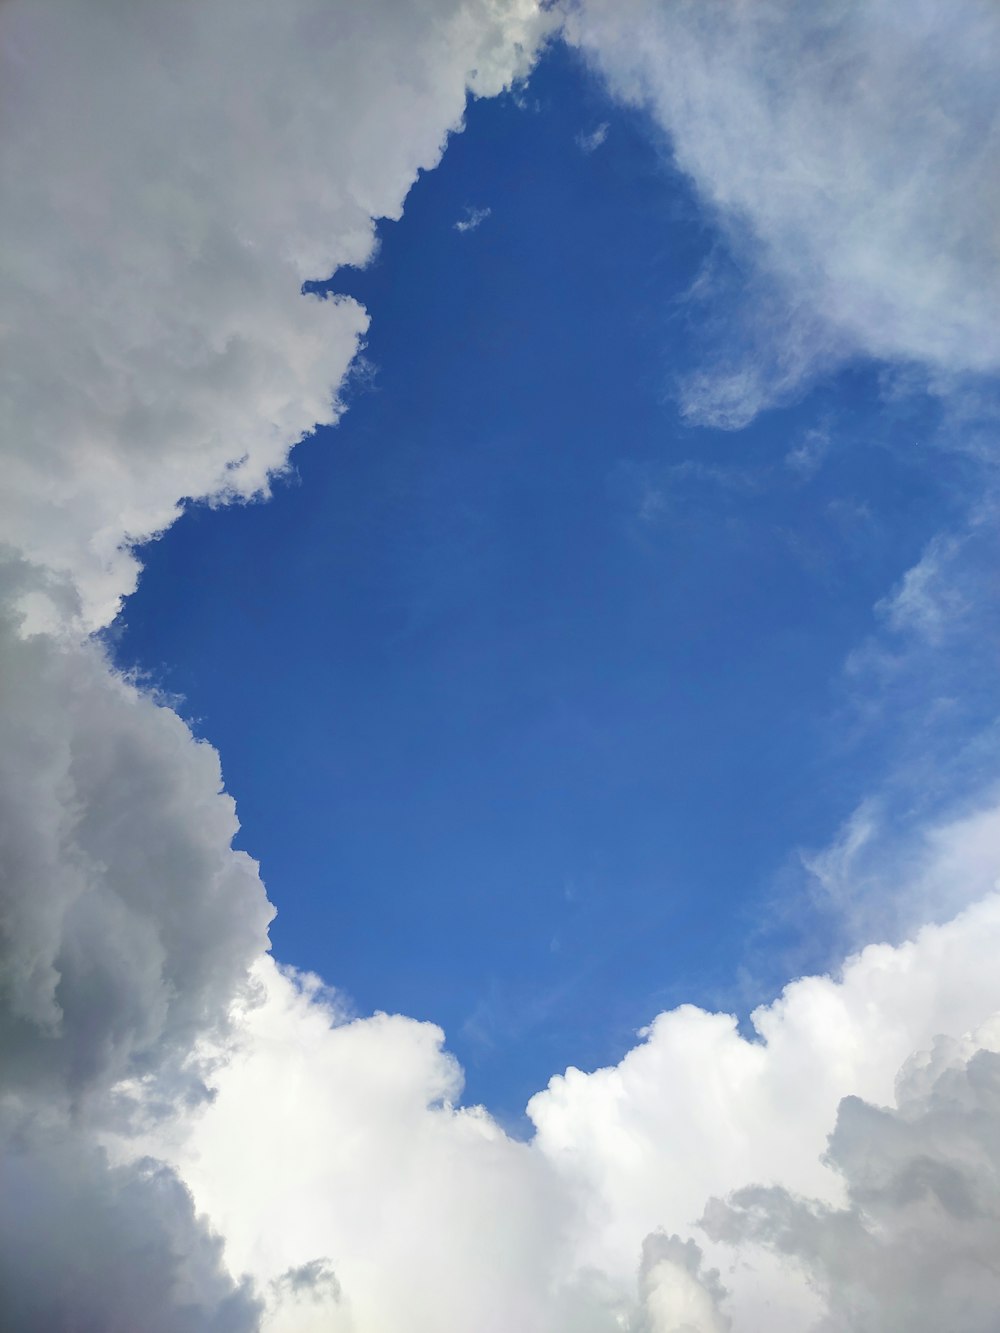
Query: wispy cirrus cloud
point(849, 153)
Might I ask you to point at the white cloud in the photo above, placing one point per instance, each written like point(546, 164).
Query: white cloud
point(180, 172)
point(474, 217)
point(850, 152)
point(676, 1296)
point(589, 143)
point(431, 1215)
point(807, 458)
point(927, 601)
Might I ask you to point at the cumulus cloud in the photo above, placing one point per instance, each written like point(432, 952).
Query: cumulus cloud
point(429, 1213)
point(430, 1216)
point(175, 175)
point(128, 920)
point(676, 1296)
point(127, 926)
point(915, 1246)
point(107, 1250)
point(180, 173)
point(850, 152)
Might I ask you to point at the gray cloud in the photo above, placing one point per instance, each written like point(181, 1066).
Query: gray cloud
point(677, 1295)
point(100, 1249)
point(129, 922)
point(175, 174)
point(916, 1246)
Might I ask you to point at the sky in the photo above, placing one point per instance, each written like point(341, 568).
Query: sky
point(545, 633)
point(500, 789)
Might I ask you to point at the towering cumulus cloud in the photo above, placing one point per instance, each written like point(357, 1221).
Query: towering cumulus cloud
point(193, 1138)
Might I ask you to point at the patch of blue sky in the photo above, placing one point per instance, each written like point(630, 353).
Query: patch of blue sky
point(527, 689)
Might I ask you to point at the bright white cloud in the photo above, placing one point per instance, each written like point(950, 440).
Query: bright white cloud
point(851, 152)
point(362, 1159)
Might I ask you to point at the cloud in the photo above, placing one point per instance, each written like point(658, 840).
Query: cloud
point(127, 927)
point(431, 1217)
point(129, 922)
point(927, 601)
point(89, 1247)
point(474, 217)
point(589, 143)
point(807, 458)
point(181, 173)
point(429, 1213)
point(677, 1297)
point(915, 1246)
point(306, 1298)
point(918, 692)
point(848, 152)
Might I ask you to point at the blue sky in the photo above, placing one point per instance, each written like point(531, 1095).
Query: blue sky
point(530, 690)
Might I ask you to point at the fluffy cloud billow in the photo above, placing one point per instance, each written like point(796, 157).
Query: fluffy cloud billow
point(429, 1214)
point(174, 176)
point(179, 174)
point(193, 1138)
point(915, 1245)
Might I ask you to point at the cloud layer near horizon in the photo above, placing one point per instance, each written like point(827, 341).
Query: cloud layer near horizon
point(180, 173)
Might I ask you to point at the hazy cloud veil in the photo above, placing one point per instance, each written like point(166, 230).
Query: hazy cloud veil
point(193, 1138)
